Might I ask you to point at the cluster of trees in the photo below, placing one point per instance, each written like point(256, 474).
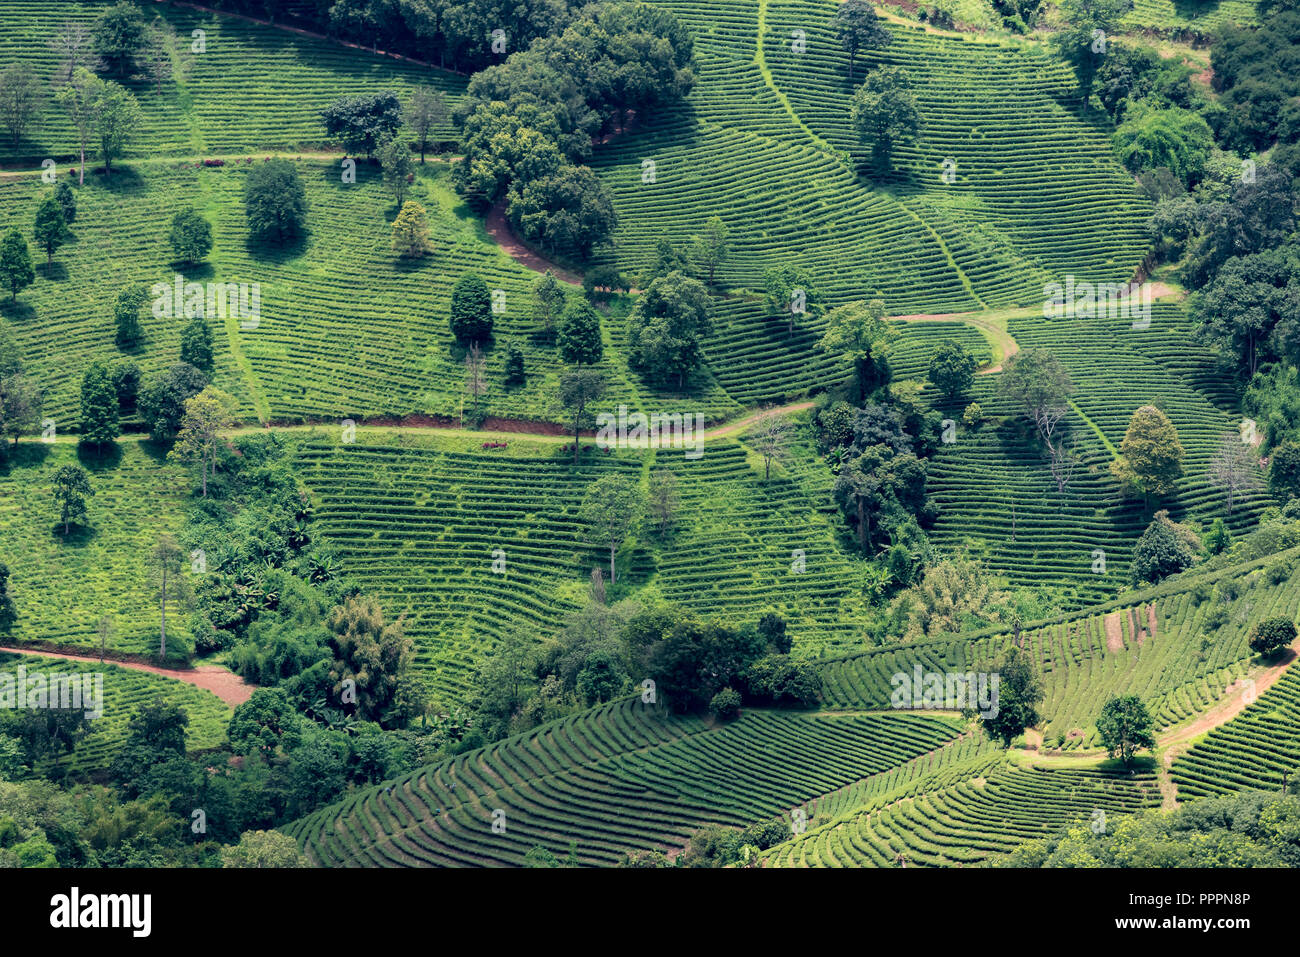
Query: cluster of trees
point(95, 60)
point(883, 110)
point(668, 655)
point(527, 124)
point(1253, 829)
point(464, 35)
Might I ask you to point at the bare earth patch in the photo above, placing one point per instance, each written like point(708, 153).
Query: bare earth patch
point(226, 685)
point(1114, 632)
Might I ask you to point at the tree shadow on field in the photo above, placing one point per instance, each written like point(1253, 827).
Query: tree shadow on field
point(192, 272)
point(16, 311)
point(408, 265)
point(278, 253)
point(52, 272)
point(1191, 9)
point(79, 536)
point(27, 455)
point(123, 179)
point(156, 450)
point(99, 458)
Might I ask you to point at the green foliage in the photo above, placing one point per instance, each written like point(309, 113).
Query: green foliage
point(263, 849)
point(362, 122)
point(725, 704)
point(952, 369)
point(885, 114)
point(1125, 727)
point(119, 38)
point(1164, 549)
point(1272, 635)
point(50, 230)
point(411, 231)
point(275, 202)
point(471, 309)
point(190, 237)
point(1284, 471)
point(126, 316)
point(859, 30)
point(99, 406)
point(1019, 696)
point(15, 263)
point(163, 396)
point(579, 335)
point(71, 489)
point(666, 326)
point(196, 345)
point(1151, 456)
point(398, 167)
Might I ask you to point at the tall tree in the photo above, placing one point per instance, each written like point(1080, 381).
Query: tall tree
point(50, 231)
point(1150, 456)
point(126, 315)
point(1019, 692)
point(16, 270)
point(579, 340)
point(275, 202)
point(666, 326)
point(471, 309)
point(72, 44)
point(475, 379)
point(71, 489)
point(196, 344)
point(1090, 26)
point(120, 37)
point(1036, 381)
point(548, 301)
point(21, 96)
point(160, 38)
point(858, 29)
point(952, 369)
point(1234, 468)
point(190, 236)
point(115, 118)
point(578, 389)
point(711, 249)
point(163, 571)
point(884, 113)
point(664, 499)
point(858, 331)
point(373, 658)
point(363, 121)
point(425, 111)
point(199, 440)
point(20, 404)
point(610, 510)
point(789, 292)
point(99, 411)
point(78, 97)
point(772, 438)
point(411, 231)
point(397, 168)
point(1124, 726)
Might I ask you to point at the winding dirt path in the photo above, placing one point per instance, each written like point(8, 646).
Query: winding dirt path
point(226, 685)
point(1004, 346)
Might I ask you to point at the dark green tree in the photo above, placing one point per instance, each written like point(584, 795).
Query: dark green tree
point(471, 309)
point(1125, 726)
point(579, 339)
point(99, 408)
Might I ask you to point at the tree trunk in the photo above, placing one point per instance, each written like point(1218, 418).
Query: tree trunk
point(575, 438)
point(611, 562)
point(862, 526)
point(162, 648)
point(81, 173)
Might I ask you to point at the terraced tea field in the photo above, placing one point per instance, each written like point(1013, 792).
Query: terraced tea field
point(62, 587)
point(618, 778)
point(125, 692)
point(765, 114)
point(202, 110)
